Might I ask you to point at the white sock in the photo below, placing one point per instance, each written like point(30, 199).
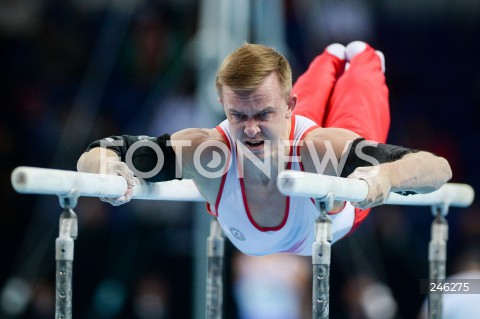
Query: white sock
point(337, 50)
point(354, 48)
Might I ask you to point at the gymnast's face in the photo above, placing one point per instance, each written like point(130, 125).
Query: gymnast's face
point(258, 116)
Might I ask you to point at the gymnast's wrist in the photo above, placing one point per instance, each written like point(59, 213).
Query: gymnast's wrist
point(390, 174)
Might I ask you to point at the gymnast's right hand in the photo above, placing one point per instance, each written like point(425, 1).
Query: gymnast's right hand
point(105, 161)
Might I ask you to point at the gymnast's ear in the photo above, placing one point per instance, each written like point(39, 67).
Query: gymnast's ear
point(291, 103)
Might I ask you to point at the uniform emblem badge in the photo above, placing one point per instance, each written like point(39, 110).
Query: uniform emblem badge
point(237, 234)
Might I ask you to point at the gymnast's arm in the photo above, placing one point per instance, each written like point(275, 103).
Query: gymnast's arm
point(385, 168)
point(388, 168)
point(123, 155)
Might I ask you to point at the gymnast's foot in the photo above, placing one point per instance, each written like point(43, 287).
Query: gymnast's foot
point(337, 50)
point(382, 59)
point(356, 47)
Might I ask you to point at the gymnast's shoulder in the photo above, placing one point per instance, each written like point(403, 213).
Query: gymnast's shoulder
point(198, 146)
point(196, 136)
point(331, 137)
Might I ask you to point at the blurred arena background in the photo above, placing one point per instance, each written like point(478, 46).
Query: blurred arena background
point(77, 70)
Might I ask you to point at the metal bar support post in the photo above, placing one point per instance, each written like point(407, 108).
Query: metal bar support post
point(215, 253)
point(321, 256)
point(64, 246)
point(437, 257)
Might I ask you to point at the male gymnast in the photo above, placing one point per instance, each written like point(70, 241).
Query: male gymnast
point(333, 121)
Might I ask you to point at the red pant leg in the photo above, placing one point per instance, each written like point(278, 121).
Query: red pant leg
point(360, 99)
point(314, 87)
point(356, 100)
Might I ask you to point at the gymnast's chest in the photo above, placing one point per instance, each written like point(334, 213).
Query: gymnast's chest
point(251, 238)
point(266, 208)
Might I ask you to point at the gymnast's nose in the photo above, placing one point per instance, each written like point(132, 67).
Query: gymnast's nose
point(251, 128)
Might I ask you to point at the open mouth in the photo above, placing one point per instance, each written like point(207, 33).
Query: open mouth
point(253, 145)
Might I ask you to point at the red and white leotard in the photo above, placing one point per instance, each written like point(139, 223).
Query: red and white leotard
point(295, 234)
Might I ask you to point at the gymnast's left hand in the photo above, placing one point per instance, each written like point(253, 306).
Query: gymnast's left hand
point(378, 181)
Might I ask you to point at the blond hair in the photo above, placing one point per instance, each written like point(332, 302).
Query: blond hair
point(246, 67)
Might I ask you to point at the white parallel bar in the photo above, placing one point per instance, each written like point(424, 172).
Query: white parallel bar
point(33, 180)
point(296, 183)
